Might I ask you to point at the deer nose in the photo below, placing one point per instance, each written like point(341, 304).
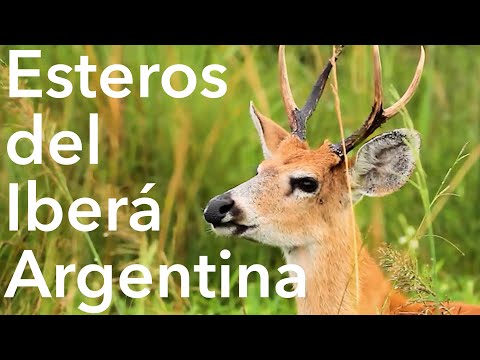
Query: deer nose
point(218, 208)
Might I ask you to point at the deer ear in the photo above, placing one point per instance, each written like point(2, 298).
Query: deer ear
point(271, 134)
point(385, 163)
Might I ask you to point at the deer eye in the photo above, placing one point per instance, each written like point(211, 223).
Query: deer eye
point(305, 184)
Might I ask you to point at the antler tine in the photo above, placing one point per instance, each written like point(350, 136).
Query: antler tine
point(290, 106)
point(378, 115)
point(362, 133)
point(317, 90)
point(297, 118)
point(395, 108)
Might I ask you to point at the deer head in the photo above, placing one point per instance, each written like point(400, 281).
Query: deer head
point(300, 193)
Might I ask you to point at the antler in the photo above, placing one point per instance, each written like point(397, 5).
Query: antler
point(297, 118)
point(378, 115)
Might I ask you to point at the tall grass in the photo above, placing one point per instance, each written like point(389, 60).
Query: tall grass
point(195, 148)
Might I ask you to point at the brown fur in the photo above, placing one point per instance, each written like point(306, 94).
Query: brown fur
point(316, 231)
point(314, 225)
point(328, 259)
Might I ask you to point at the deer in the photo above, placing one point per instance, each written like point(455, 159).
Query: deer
point(301, 200)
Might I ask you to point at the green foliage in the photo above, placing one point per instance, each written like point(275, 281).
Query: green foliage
point(195, 148)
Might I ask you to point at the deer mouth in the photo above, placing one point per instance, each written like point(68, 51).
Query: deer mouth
point(233, 227)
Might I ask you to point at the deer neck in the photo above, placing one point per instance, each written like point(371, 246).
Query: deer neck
point(331, 280)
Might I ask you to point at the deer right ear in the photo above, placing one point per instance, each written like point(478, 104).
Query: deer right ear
point(271, 134)
point(385, 163)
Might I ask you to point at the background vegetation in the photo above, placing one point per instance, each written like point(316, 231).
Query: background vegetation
point(195, 148)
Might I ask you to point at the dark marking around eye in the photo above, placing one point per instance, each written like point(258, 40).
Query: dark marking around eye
point(305, 184)
point(289, 192)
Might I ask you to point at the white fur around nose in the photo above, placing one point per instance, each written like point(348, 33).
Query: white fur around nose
point(246, 199)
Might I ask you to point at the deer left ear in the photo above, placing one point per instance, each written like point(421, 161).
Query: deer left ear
point(271, 134)
point(385, 163)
